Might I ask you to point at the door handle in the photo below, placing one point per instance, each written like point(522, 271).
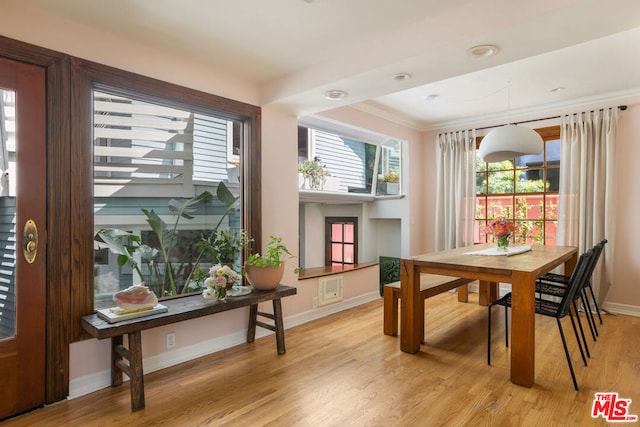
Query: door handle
point(30, 241)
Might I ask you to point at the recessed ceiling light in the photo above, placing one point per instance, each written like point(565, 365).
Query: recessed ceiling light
point(431, 97)
point(557, 89)
point(401, 76)
point(335, 94)
point(483, 51)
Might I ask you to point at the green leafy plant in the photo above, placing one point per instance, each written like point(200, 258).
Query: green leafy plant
point(275, 255)
point(391, 177)
point(315, 172)
point(164, 280)
point(226, 245)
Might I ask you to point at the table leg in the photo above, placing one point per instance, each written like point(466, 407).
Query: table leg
point(570, 265)
point(279, 324)
point(116, 372)
point(488, 292)
point(463, 293)
point(136, 374)
point(253, 319)
point(390, 317)
point(410, 306)
point(523, 329)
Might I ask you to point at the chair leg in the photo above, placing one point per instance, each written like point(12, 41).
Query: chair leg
point(589, 313)
point(575, 331)
point(506, 326)
point(595, 303)
point(489, 335)
point(566, 352)
point(584, 338)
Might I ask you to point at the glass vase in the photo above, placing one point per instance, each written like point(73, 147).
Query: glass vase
point(503, 243)
point(220, 293)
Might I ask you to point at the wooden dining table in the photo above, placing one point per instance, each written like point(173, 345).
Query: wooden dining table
point(519, 270)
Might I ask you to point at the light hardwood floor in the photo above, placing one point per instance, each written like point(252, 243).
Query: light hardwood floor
point(342, 371)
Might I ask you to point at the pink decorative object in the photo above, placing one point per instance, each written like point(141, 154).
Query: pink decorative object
point(135, 297)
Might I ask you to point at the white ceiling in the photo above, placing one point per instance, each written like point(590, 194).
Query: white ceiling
point(296, 50)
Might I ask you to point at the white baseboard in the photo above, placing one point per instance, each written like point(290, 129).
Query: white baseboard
point(615, 308)
point(89, 383)
point(99, 380)
point(320, 312)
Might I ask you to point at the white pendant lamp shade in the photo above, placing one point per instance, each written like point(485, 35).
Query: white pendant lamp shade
point(508, 142)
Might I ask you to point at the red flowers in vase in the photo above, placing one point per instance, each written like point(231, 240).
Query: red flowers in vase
point(501, 228)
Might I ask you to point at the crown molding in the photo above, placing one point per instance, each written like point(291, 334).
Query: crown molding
point(560, 108)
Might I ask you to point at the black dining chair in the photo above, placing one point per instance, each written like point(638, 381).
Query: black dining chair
point(556, 284)
point(559, 310)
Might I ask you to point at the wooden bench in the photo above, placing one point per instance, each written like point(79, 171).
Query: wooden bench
point(430, 285)
point(129, 360)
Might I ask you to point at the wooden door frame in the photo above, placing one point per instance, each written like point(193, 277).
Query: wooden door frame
point(59, 257)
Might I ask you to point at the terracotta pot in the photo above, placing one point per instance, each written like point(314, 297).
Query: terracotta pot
point(264, 278)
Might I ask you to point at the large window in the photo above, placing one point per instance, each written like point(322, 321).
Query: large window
point(524, 190)
point(158, 172)
point(170, 165)
point(341, 241)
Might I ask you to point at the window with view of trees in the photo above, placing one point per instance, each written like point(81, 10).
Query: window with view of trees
point(524, 190)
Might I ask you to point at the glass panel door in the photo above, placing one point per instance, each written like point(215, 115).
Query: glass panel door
point(7, 214)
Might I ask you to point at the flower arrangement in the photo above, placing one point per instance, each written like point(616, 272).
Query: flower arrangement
point(221, 278)
point(501, 228)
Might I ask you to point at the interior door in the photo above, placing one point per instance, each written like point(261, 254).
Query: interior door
point(22, 237)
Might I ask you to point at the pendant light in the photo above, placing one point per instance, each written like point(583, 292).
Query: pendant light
point(510, 141)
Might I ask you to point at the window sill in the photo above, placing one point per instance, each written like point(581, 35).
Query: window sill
point(310, 273)
point(311, 196)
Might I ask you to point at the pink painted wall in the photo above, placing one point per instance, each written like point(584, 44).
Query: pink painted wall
point(626, 267)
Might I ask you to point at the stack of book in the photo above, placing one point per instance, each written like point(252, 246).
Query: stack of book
point(117, 314)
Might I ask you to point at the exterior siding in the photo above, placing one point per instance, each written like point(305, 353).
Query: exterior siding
point(209, 149)
point(343, 157)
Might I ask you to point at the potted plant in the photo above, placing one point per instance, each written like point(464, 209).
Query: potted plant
point(314, 173)
point(226, 246)
point(166, 274)
point(264, 271)
point(389, 183)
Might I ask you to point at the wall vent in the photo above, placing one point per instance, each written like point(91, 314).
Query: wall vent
point(329, 290)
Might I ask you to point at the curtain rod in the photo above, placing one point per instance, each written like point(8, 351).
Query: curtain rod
point(621, 107)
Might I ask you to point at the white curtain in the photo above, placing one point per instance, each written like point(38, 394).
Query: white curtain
point(586, 209)
point(456, 190)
